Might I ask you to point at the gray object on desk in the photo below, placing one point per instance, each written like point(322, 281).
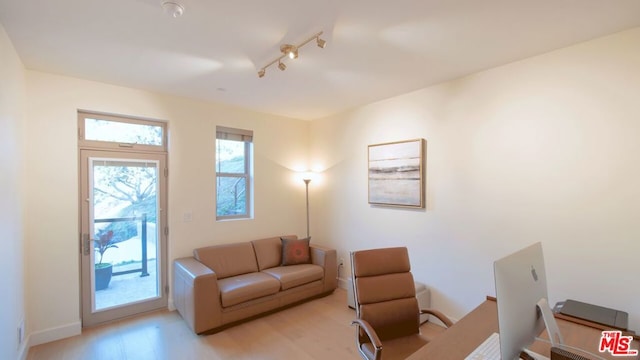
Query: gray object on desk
point(594, 313)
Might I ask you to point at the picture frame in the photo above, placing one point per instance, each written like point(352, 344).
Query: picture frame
point(396, 173)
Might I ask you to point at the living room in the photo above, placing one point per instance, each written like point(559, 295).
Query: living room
point(540, 149)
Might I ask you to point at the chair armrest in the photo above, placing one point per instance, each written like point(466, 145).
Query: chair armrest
point(442, 317)
point(328, 259)
point(371, 334)
point(196, 294)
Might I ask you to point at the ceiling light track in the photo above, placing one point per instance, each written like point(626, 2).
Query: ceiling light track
point(291, 51)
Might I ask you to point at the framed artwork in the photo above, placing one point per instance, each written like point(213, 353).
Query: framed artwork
point(396, 173)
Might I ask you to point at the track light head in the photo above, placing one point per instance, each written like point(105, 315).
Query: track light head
point(290, 50)
point(321, 43)
point(282, 66)
point(261, 72)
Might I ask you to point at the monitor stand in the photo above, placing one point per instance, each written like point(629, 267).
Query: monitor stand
point(552, 329)
point(550, 323)
point(557, 351)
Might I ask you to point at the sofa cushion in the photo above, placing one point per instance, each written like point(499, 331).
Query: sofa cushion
point(238, 289)
point(295, 251)
point(229, 259)
point(269, 251)
point(296, 275)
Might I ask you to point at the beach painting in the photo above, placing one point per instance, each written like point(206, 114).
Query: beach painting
point(396, 173)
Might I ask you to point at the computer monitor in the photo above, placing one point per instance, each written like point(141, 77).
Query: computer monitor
point(521, 284)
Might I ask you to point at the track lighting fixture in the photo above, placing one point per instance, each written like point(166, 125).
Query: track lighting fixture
point(291, 51)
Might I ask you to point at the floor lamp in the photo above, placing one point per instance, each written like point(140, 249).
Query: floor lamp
point(307, 180)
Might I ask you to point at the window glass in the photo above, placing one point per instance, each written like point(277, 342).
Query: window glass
point(230, 157)
point(122, 132)
point(231, 195)
point(233, 173)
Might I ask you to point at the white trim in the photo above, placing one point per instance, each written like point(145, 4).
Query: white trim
point(343, 283)
point(23, 350)
point(53, 334)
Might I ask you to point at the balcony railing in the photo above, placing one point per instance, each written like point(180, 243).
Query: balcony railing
point(143, 242)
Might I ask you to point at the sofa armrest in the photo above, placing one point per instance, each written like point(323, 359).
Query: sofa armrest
point(328, 259)
point(196, 294)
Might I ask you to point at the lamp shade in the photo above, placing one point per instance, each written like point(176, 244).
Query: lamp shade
point(307, 175)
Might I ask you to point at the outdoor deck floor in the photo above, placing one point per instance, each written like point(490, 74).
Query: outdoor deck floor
point(124, 289)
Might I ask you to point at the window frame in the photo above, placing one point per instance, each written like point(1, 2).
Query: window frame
point(246, 137)
point(95, 144)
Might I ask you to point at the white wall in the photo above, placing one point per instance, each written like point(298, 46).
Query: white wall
point(543, 149)
point(12, 120)
point(546, 149)
point(280, 145)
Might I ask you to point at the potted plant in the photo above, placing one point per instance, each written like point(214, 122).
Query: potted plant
point(104, 271)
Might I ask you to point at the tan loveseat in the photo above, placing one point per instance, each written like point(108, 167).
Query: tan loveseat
point(223, 284)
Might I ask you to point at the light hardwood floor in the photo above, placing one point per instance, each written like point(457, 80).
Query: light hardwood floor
point(318, 329)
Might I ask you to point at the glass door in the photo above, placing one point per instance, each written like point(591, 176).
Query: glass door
point(122, 234)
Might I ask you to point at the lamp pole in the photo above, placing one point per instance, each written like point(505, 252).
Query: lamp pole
point(306, 184)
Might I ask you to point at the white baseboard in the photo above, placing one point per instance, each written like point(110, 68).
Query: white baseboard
point(343, 283)
point(53, 334)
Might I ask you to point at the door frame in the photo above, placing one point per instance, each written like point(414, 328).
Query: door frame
point(87, 289)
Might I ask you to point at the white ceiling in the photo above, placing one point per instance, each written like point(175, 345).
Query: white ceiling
point(375, 48)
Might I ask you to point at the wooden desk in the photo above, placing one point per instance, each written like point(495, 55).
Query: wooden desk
point(464, 336)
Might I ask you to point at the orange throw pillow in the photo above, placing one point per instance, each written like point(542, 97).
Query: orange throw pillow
point(295, 251)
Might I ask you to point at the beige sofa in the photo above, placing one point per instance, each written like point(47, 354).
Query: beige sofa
point(224, 284)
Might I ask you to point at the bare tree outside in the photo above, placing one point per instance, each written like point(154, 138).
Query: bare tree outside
point(231, 177)
point(124, 189)
point(123, 160)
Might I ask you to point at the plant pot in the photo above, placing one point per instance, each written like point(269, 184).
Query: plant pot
point(103, 275)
